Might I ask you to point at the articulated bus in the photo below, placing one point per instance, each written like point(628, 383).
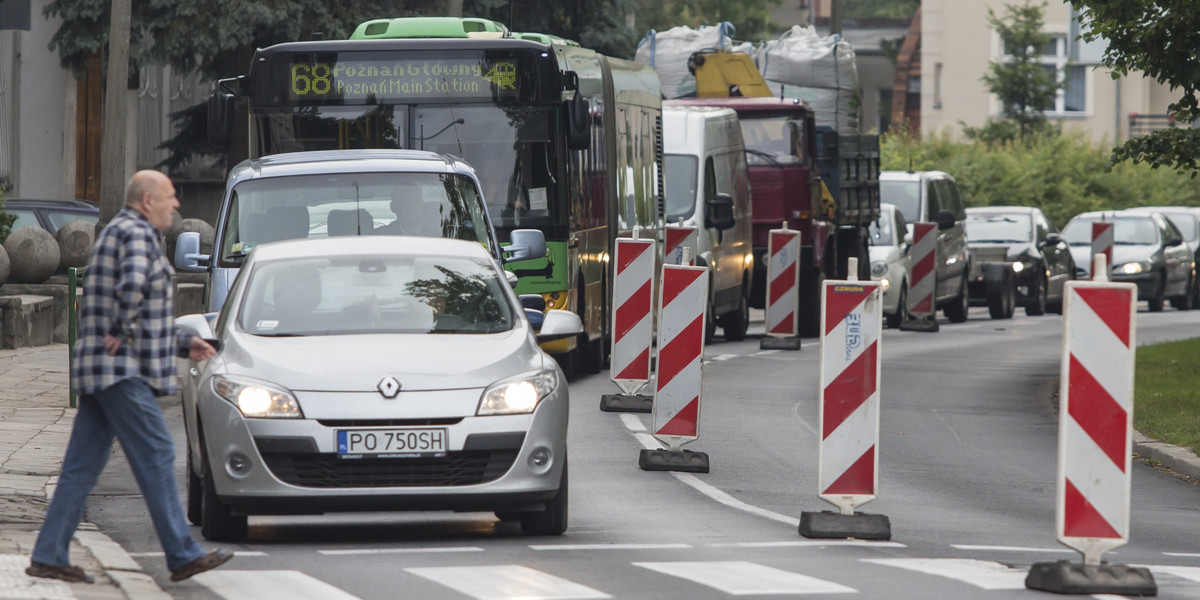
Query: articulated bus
point(564, 139)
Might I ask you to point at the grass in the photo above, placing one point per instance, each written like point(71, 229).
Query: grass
point(1166, 393)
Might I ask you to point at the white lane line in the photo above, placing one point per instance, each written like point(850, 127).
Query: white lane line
point(1188, 573)
point(256, 585)
point(725, 356)
point(1183, 554)
point(1009, 548)
point(608, 546)
point(442, 549)
point(236, 553)
point(764, 352)
point(632, 422)
point(650, 443)
point(507, 582)
point(809, 544)
point(741, 578)
point(983, 574)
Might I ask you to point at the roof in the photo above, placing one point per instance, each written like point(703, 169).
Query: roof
point(380, 245)
point(348, 161)
point(744, 103)
point(910, 175)
point(1001, 209)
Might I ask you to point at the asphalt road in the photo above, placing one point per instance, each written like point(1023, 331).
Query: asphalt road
point(967, 479)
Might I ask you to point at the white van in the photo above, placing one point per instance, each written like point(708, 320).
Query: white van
point(708, 187)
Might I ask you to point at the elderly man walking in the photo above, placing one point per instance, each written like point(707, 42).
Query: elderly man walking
point(124, 360)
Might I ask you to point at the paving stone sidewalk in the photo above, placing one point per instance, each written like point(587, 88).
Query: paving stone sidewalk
point(35, 422)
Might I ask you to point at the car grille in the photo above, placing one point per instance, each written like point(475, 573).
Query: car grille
point(328, 471)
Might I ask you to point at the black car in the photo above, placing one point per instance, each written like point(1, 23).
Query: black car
point(1023, 239)
point(49, 214)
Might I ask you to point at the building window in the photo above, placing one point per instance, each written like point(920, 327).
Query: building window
point(1072, 97)
point(937, 85)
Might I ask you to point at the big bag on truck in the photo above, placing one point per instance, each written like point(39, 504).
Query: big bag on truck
point(668, 53)
point(820, 70)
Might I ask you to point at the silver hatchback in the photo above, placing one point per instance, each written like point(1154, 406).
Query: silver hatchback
point(361, 373)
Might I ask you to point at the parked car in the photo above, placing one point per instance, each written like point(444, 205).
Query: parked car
point(932, 196)
point(1023, 238)
point(1147, 250)
point(375, 373)
point(49, 214)
point(890, 263)
point(1187, 220)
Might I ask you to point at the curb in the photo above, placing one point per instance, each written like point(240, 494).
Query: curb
point(1175, 458)
point(128, 575)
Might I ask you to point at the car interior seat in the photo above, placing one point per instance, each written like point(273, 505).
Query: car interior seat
point(350, 222)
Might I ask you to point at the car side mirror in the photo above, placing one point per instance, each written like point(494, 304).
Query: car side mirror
point(1052, 239)
point(559, 324)
point(220, 118)
point(1174, 241)
point(719, 212)
point(527, 244)
point(908, 240)
point(197, 324)
point(187, 253)
point(533, 301)
point(945, 220)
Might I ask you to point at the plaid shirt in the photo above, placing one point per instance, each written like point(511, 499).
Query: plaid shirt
point(129, 293)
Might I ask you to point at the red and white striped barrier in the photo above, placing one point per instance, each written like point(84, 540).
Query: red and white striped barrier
point(632, 322)
point(851, 322)
point(783, 279)
point(678, 239)
point(921, 307)
point(1102, 243)
point(1096, 416)
point(683, 298)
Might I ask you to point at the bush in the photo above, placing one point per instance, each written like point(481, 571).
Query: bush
point(6, 220)
point(1063, 173)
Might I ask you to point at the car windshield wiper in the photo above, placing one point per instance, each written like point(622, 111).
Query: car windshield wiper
point(765, 156)
point(281, 334)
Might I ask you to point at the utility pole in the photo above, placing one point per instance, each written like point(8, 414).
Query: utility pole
point(835, 16)
point(112, 138)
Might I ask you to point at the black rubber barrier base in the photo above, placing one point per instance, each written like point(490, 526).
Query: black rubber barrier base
point(1065, 577)
point(836, 526)
point(626, 403)
point(779, 343)
point(666, 460)
point(914, 324)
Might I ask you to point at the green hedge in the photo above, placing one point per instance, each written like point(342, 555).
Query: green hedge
point(1063, 174)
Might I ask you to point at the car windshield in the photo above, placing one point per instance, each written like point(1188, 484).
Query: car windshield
point(679, 171)
point(906, 195)
point(309, 206)
point(881, 231)
point(1129, 230)
point(374, 294)
point(768, 140)
point(999, 227)
point(1186, 223)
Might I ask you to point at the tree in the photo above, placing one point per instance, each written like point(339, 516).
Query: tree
point(885, 9)
point(1025, 87)
point(596, 24)
point(752, 18)
point(1158, 38)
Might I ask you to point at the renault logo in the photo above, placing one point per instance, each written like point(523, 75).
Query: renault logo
point(389, 387)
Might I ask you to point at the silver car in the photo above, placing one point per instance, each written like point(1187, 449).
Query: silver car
point(891, 264)
point(360, 373)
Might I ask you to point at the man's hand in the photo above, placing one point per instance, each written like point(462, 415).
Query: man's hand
point(198, 350)
point(112, 344)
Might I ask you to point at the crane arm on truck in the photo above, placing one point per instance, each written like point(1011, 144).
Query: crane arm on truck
point(720, 73)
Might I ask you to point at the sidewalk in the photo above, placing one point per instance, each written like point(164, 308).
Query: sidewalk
point(35, 422)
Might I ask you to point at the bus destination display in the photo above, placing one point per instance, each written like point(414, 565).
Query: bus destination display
point(345, 78)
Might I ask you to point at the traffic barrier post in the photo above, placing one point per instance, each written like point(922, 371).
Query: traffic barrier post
point(921, 307)
point(1102, 243)
point(783, 291)
point(683, 300)
point(679, 240)
point(848, 457)
point(1095, 440)
point(632, 326)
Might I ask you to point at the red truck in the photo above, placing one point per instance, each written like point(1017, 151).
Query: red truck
point(789, 158)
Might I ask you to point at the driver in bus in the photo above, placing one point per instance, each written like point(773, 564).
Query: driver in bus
point(407, 203)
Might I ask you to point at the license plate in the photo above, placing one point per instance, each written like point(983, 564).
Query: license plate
point(392, 441)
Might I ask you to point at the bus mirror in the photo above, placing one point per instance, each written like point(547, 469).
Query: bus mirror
point(579, 129)
point(220, 118)
point(527, 244)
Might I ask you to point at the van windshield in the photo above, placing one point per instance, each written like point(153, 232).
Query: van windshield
point(314, 206)
point(680, 177)
point(906, 195)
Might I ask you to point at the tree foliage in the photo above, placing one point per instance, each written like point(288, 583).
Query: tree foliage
point(1025, 87)
point(1158, 38)
point(6, 220)
point(596, 24)
point(751, 18)
point(884, 9)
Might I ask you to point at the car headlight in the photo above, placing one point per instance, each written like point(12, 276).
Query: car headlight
point(1133, 268)
point(878, 268)
point(256, 398)
point(1018, 266)
point(517, 395)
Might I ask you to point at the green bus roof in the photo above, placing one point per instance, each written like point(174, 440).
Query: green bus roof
point(544, 38)
point(426, 27)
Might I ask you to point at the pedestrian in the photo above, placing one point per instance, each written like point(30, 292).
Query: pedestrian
point(124, 360)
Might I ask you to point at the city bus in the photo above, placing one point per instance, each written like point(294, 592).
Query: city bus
point(564, 139)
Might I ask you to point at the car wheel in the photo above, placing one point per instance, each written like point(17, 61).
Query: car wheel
point(1160, 294)
point(218, 523)
point(894, 320)
point(957, 310)
point(553, 520)
point(1037, 307)
point(1184, 302)
point(195, 492)
point(736, 323)
point(1001, 303)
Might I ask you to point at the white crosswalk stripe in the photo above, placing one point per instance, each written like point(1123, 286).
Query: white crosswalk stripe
point(979, 573)
point(507, 582)
point(741, 578)
point(257, 585)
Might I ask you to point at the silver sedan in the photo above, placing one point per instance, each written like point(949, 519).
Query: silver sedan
point(361, 373)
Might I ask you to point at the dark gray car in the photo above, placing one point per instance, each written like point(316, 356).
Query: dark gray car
point(1022, 236)
point(1187, 220)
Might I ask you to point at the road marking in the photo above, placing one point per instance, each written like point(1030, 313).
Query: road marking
point(764, 352)
point(256, 585)
point(238, 553)
point(1009, 548)
point(1184, 554)
point(442, 549)
point(632, 423)
point(809, 544)
point(650, 443)
point(725, 356)
point(741, 578)
point(14, 583)
point(507, 582)
point(1188, 573)
point(608, 546)
point(983, 574)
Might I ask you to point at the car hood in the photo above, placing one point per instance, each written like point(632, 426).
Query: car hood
point(884, 253)
point(357, 363)
point(1122, 254)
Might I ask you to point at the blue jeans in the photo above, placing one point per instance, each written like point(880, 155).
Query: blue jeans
point(128, 411)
